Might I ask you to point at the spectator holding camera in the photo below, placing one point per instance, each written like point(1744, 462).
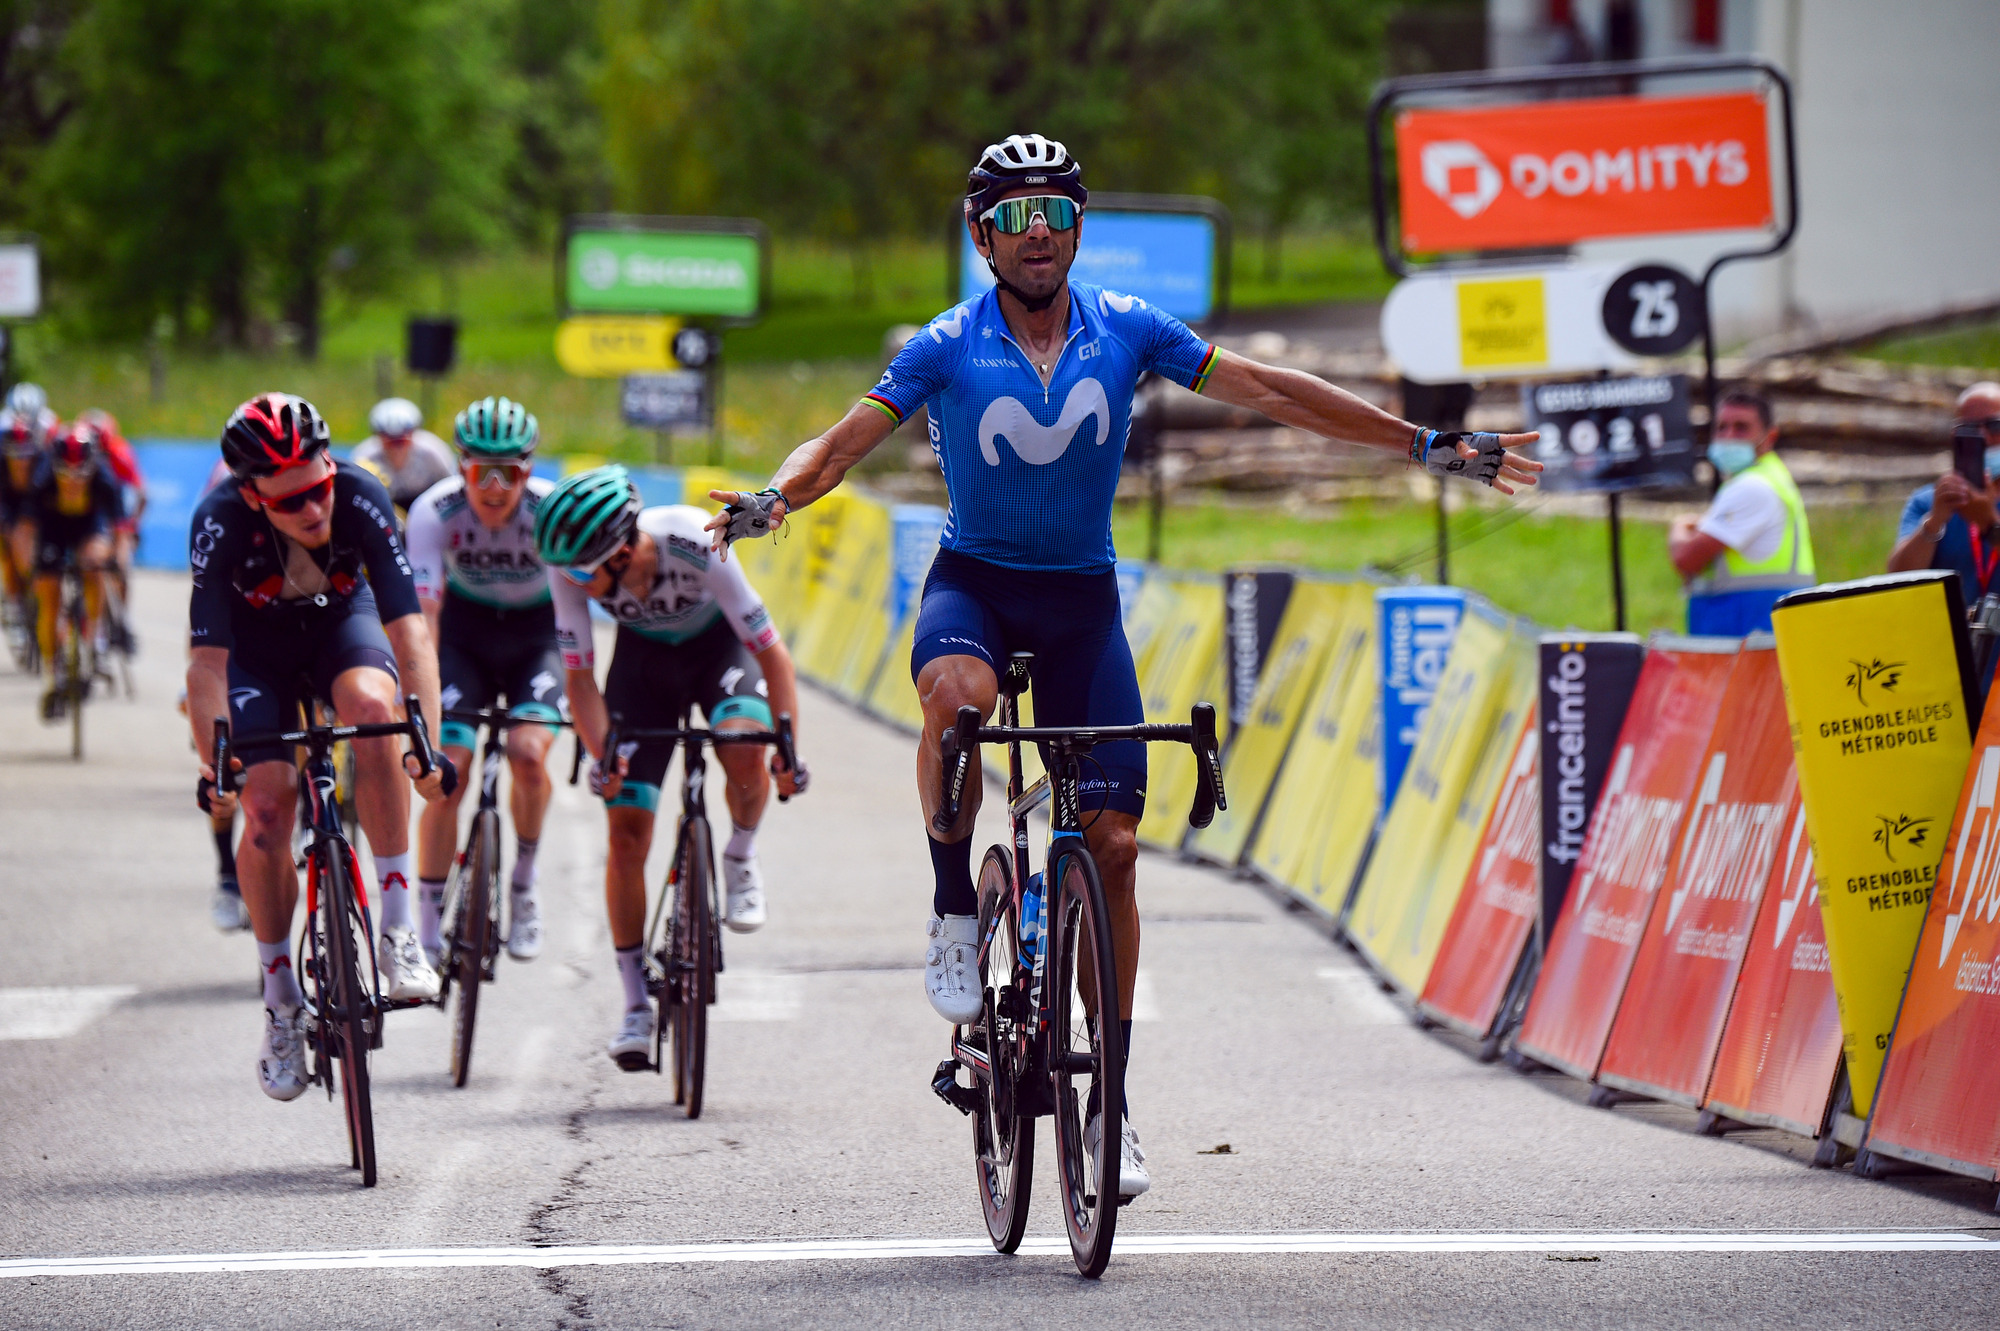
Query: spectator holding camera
point(1752, 545)
point(1949, 523)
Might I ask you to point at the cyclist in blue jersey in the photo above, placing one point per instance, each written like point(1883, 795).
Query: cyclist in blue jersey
point(1029, 396)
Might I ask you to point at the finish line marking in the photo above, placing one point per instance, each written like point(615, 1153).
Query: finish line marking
point(850, 1250)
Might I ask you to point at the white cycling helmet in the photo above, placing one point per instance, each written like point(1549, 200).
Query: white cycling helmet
point(395, 416)
point(27, 401)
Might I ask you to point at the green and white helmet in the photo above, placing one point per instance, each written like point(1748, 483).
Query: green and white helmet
point(496, 428)
point(587, 517)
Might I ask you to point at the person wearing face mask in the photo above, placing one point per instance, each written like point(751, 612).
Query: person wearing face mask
point(1950, 523)
point(1752, 545)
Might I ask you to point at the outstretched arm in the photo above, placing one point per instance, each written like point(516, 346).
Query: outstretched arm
point(1295, 398)
point(816, 466)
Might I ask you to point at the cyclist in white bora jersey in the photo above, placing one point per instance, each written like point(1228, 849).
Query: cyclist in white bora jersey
point(1029, 389)
point(472, 548)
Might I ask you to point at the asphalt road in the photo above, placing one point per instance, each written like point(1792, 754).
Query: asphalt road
point(140, 1133)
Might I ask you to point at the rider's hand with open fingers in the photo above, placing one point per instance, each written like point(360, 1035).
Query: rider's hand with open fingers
point(745, 515)
point(439, 782)
point(1486, 458)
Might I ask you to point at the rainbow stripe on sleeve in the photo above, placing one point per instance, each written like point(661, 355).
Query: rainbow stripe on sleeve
point(885, 406)
point(1201, 374)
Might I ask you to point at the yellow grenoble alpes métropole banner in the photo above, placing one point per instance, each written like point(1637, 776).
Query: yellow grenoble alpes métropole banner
point(1876, 676)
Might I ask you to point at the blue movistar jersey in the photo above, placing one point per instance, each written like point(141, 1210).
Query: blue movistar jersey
point(1031, 469)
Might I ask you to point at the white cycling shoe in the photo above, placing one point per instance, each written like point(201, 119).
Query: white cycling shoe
point(227, 912)
point(745, 911)
point(951, 968)
point(632, 1047)
point(524, 926)
point(1132, 1176)
point(406, 974)
point(281, 1062)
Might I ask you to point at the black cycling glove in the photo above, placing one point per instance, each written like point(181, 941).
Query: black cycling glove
point(1436, 451)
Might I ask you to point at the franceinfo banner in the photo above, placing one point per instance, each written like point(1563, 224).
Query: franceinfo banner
point(1417, 628)
point(1253, 600)
point(1586, 684)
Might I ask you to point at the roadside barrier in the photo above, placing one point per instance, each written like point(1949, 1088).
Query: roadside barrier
point(1669, 1023)
point(1412, 881)
point(1632, 833)
point(1417, 627)
point(1184, 667)
point(1877, 680)
point(1780, 1050)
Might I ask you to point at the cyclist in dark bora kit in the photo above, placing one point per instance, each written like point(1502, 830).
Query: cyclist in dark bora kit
point(302, 594)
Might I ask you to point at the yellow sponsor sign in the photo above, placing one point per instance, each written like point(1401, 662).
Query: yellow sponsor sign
point(1427, 842)
point(892, 696)
point(865, 550)
point(1144, 617)
point(1185, 667)
point(1353, 798)
point(1882, 736)
point(1292, 666)
point(605, 347)
point(1502, 321)
point(1304, 800)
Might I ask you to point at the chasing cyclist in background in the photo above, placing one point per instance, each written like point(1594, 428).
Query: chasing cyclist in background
point(486, 597)
point(125, 535)
point(1029, 390)
point(407, 458)
point(73, 508)
point(26, 427)
point(302, 594)
point(692, 631)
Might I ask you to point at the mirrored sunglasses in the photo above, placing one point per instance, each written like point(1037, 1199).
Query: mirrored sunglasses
point(317, 493)
point(499, 475)
point(1013, 216)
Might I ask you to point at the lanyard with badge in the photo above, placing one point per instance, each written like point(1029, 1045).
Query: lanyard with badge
point(1982, 563)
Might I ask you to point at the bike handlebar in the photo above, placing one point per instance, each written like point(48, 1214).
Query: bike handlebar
point(781, 736)
point(414, 727)
point(959, 745)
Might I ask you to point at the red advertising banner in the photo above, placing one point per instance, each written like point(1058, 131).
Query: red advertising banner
point(1625, 854)
point(1939, 1099)
point(1549, 173)
point(1781, 1048)
point(1664, 1039)
point(1496, 909)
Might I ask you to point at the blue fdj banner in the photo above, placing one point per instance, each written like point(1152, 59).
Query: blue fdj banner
point(915, 528)
point(1417, 628)
point(1165, 259)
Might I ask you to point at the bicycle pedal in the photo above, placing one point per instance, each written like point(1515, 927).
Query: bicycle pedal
point(964, 1099)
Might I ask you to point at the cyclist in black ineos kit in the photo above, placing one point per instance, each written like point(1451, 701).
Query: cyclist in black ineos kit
point(302, 594)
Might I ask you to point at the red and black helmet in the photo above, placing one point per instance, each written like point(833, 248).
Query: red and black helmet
point(77, 447)
point(270, 432)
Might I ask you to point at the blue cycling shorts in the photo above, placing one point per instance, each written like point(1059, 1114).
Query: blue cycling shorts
point(1082, 674)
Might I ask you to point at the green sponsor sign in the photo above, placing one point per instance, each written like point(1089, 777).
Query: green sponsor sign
point(664, 272)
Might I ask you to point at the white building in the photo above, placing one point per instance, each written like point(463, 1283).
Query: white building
point(1898, 125)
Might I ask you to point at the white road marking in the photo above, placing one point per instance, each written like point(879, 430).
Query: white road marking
point(848, 1250)
point(1145, 1000)
point(52, 1013)
point(758, 996)
point(1361, 999)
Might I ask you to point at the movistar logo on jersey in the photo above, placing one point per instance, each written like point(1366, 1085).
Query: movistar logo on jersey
point(951, 324)
point(1037, 444)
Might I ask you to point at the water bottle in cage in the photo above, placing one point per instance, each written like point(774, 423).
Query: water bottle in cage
point(1032, 927)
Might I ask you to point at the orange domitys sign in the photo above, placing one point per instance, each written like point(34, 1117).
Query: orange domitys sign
point(1552, 173)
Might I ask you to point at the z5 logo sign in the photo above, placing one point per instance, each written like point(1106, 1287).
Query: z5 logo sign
point(1550, 173)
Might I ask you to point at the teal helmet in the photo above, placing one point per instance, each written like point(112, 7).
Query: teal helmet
point(587, 517)
point(496, 428)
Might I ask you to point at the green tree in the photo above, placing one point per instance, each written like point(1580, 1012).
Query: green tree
point(35, 95)
point(225, 154)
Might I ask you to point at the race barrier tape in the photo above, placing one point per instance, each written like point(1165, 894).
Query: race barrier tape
point(1780, 1050)
point(1314, 613)
point(1939, 1103)
point(1625, 853)
point(1877, 678)
point(1411, 883)
point(1669, 1022)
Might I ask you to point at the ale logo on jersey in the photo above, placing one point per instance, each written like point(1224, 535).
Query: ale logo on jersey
point(1556, 172)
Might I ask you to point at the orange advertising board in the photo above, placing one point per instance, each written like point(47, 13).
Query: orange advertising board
point(1550, 173)
point(1781, 1048)
point(1625, 853)
point(1939, 1100)
point(1496, 909)
point(1664, 1039)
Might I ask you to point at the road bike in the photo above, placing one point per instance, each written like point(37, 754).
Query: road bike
point(684, 936)
point(343, 999)
point(77, 666)
point(1047, 1042)
point(472, 933)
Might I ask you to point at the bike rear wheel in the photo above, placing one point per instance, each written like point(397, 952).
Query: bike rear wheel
point(472, 936)
point(1003, 1138)
point(352, 1013)
point(1087, 1054)
point(694, 962)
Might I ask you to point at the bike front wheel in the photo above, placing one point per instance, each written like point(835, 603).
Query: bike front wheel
point(472, 936)
point(1086, 1054)
point(694, 962)
point(1003, 1137)
point(346, 1024)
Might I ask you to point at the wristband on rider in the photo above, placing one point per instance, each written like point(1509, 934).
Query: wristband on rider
point(1420, 445)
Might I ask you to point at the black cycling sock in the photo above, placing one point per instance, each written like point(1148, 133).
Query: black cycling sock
point(225, 855)
point(953, 865)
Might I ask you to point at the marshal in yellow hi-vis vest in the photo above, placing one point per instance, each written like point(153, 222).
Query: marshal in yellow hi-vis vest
point(1734, 595)
point(1877, 677)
